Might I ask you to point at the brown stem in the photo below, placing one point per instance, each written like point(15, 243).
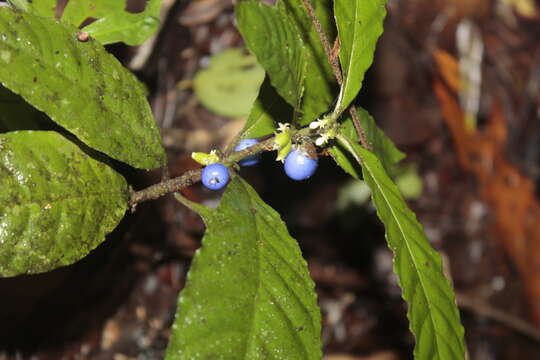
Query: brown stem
point(192, 176)
point(332, 60)
point(359, 129)
point(334, 64)
point(165, 187)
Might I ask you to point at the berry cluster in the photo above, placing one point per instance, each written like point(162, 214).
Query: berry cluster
point(298, 165)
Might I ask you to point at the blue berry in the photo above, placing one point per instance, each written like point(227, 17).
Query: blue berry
point(250, 160)
point(299, 166)
point(215, 176)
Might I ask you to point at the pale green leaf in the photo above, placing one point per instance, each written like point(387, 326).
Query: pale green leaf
point(359, 23)
point(126, 27)
point(79, 86)
point(56, 204)
point(432, 310)
point(230, 84)
point(267, 111)
point(248, 294)
point(77, 11)
point(382, 145)
point(275, 41)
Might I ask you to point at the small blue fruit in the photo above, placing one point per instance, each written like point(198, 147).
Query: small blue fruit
point(244, 144)
point(215, 176)
point(299, 165)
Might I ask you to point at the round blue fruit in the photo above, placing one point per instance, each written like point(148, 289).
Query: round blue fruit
point(299, 166)
point(250, 160)
point(215, 176)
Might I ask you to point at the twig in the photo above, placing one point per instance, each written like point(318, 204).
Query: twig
point(481, 308)
point(332, 60)
point(165, 187)
point(334, 64)
point(359, 129)
point(192, 176)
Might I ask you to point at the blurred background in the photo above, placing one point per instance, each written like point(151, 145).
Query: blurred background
point(455, 84)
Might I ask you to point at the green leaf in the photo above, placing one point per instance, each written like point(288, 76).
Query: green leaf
point(230, 84)
point(359, 23)
point(273, 38)
point(79, 86)
point(45, 8)
point(320, 85)
point(433, 314)
point(57, 203)
point(268, 109)
point(77, 11)
point(19, 4)
point(248, 293)
point(123, 26)
point(382, 145)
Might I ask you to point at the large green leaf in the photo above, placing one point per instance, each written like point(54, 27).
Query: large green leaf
point(433, 314)
point(248, 293)
point(359, 23)
point(268, 109)
point(320, 86)
point(56, 203)
point(79, 86)
point(230, 84)
point(382, 145)
point(126, 27)
point(272, 36)
point(77, 11)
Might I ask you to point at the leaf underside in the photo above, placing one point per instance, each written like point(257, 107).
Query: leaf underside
point(248, 294)
point(79, 86)
point(57, 203)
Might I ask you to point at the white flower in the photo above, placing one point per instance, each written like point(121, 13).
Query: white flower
point(318, 124)
point(282, 127)
point(321, 140)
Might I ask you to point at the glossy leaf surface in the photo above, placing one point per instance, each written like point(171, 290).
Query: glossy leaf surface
point(56, 204)
point(79, 86)
point(248, 293)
